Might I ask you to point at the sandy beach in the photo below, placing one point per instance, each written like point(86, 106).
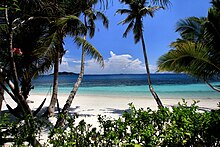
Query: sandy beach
point(89, 106)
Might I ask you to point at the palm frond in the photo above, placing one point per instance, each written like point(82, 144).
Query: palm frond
point(137, 30)
point(164, 3)
point(123, 11)
point(149, 10)
point(191, 28)
point(128, 19)
point(102, 17)
point(215, 4)
point(46, 52)
point(129, 28)
point(190, 58)
point(91, 27)
point(90, 50)
point(72, 25)
point(137, 10)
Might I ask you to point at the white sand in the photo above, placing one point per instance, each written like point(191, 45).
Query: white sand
point(88, 107)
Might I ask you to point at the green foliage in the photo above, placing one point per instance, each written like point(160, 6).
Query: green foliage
point(12, 5)
point(137, 10)
point(4, 124)
point(74, 135)
point(20, 132)
point(182, 125)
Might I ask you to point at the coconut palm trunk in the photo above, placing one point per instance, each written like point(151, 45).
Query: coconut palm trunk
point(1, 93)
point(66, 107)
point(154, 94)
point(51, 108)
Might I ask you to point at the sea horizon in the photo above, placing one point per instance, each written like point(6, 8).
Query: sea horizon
point(94, 74)
point(167, 85)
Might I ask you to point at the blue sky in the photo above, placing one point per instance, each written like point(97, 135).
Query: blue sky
point(121, 55)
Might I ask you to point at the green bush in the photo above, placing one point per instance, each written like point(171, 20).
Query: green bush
point(180, 125)
point(18, 132)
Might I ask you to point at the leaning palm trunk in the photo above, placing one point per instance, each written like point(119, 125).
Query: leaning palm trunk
point(1, 93)
point(66, 107)
point(213, 87)
point(51, 108)
point(156, 97)
point(1, 97)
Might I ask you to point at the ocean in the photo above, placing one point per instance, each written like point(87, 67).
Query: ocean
point(130, 85)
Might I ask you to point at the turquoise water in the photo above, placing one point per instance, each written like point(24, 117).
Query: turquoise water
point(166, 86)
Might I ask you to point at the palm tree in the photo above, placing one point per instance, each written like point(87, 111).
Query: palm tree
point(14, 19)
point(197, 51)
point(70, 8)
point(137, 10)
point(53, 50)
point(26, 34)
point(89, 16)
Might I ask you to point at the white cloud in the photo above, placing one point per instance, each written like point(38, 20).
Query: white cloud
point(64, 66)
point(115, 64)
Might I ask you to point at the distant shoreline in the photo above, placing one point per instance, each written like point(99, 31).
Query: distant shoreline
point(65, 73)
point(105, 74)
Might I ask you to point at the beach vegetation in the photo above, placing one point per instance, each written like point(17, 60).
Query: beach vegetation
point(196, 52)
point(20, 28)
point(18, 132)
point(181, 125)
point(136, 11)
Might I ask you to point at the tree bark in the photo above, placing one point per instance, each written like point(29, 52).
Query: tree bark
point(1, 93)
point(65, 110)
point(154, 94)
point(51, 108)
point(213, 87)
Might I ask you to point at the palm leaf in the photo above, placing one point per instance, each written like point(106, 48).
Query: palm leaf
point(90, 50)
point(91, 27)
point(129, 28)
point(123, 11)
point(190, 58)
point(164, 3)
point(48, 46)
point(149, 10)
point(72, 25)
point(102, 17)
point(128, 19)
point(137, 30)
point(191, 28)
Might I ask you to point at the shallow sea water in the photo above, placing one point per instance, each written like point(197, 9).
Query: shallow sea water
point(133, 85)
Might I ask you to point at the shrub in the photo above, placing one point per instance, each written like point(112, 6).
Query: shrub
point(181, 125)
point(19, 132)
